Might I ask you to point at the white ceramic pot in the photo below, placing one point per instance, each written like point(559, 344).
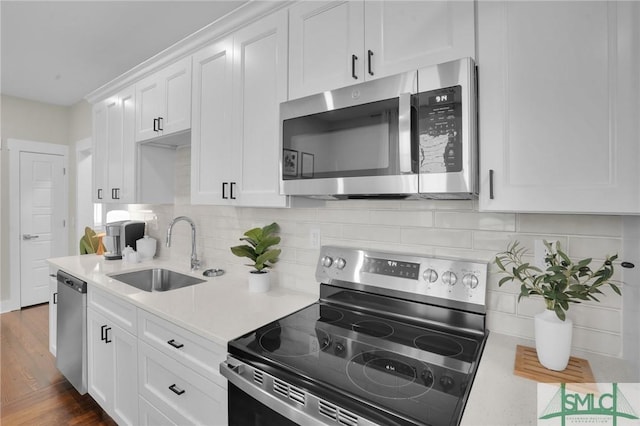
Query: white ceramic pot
point(553, 340)
point(259, 282)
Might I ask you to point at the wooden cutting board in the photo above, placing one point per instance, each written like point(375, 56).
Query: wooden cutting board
point(528, 366)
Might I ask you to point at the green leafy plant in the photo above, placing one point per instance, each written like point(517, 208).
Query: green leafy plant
point(561, 283)
point(258, 249)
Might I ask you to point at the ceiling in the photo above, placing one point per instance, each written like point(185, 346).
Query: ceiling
point(59, 51)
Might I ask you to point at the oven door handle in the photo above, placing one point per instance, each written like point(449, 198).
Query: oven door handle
point(404, 133)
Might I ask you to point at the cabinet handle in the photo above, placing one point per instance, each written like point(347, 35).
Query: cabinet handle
point(106, 335)
point(369, 61)
point(233, 197)
point(175, 344)
point(354, 58)
point(155, 124)
point(117, 193)
point(55, 298)
point(160, 124)
point(100, 194)
point(224, 190)
point(491, 184)
point(102, 333)
point(175, 389)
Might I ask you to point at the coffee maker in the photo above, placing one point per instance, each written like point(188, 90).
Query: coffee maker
point(120, 235)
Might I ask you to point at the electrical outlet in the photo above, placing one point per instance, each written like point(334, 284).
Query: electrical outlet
point(314, 238)
point(540, 252)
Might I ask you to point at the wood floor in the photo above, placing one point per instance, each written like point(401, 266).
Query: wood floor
point(32, 390)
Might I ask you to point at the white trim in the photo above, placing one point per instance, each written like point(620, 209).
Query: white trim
point(15, 147)
point(83, 145)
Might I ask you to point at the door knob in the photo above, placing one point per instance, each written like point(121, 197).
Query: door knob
point(29, 236)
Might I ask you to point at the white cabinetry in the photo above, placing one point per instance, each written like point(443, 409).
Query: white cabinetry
point(338, 43)
point(559, 106)
point(163, 102)
point(114, 148)
point(179, 378)
point(235, 153)
point(53, 310)
point(112, 356)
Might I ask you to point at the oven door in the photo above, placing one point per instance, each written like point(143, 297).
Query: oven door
point(258, 398)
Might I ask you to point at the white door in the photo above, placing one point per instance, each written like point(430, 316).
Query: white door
point(42, 222)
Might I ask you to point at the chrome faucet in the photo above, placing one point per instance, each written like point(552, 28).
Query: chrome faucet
point(195, 263)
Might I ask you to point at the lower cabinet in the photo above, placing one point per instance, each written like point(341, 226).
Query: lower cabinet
point(146, 370)
point(53, 311)
point(113, 372)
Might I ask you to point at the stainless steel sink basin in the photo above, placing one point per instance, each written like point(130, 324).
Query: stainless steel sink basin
point(156, 279)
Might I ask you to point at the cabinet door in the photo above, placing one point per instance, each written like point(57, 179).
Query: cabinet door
point(99, 157)
point(121, 148)
point(259, 85)
point(405, 35)
point(100, 360)
point(176, 101)
point(323, 37)
point(211, 138)
point(559, 107)
point(148, 107)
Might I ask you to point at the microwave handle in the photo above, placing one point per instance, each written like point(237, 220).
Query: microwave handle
point(404, 132)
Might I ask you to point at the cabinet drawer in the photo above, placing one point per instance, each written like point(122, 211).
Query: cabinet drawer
point(120, 312)
point(151, 416)
point(192, 350)
point(182, 395)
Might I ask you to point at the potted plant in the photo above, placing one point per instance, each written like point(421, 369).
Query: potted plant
point(260, 250)
point(562, 283)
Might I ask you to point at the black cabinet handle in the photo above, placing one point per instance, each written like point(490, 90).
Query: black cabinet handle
point(491, 184)
point(100, 194)
point(354, 58)
point(155, 124)
point(369, 55)
point(55, 298)
point(175, 389)
point(175, 344)
point(102, 333)
point(106, 335)
point(160, 124)
point(224, 191)
point(233, 197)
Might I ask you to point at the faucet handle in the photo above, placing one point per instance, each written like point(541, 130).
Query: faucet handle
point(195, 264)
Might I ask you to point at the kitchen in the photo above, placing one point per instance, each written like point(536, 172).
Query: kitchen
point(475, 229)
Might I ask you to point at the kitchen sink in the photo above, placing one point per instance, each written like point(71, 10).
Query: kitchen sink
point(156, 279)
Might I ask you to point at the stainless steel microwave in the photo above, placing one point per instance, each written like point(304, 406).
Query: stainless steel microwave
point(404, 136)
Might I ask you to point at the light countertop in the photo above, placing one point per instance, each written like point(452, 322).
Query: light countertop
point(222, 309)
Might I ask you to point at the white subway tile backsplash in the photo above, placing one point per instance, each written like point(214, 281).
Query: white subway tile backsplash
point(427, 227)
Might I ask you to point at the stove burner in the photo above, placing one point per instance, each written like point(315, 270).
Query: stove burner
point(373, 328)
point(442, 345)
point(277, 341)
point(386, 375)
point(329, 314)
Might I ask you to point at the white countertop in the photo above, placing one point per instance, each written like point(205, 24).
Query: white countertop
point(222, 309)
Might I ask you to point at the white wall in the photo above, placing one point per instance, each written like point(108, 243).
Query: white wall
point(444, 228)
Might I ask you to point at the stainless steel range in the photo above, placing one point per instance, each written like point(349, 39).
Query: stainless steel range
point(395, 339)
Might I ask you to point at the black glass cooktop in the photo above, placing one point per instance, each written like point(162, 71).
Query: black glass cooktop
point(421, 373)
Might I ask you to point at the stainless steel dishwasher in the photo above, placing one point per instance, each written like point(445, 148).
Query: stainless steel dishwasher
point(71, 352)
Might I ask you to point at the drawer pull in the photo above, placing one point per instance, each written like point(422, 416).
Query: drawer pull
point(175, 389)
point(175, 344)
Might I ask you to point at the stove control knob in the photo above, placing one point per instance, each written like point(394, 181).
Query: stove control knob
point(446, 382)
point(326, 261)
point(449, 278)
point(338, 349)
point(340, 263)
point(427, 378)
point(470, 281)
point(430, 275)
point(325, 343)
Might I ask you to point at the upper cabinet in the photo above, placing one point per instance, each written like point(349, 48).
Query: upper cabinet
point(559, 106)
point(338, 43)
point(239, 83)
point(114, 148)
point(163, 102)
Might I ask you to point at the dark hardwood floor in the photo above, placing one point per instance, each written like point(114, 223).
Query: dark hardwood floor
point(32, 390)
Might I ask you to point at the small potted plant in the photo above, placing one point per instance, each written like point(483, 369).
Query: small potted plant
point(260, 250)
point(563, 282)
